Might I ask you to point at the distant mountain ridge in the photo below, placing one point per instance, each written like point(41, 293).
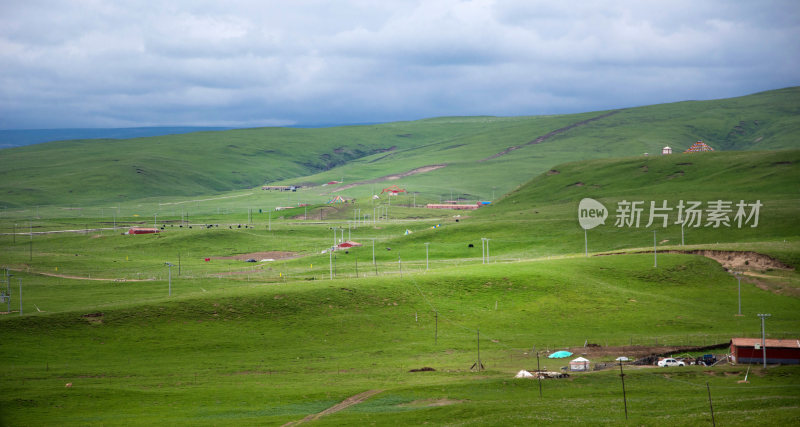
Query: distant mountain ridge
point(19, 137)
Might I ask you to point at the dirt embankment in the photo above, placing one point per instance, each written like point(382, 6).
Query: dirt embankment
point(737, 260)
point(757, 268)
point(260, 255)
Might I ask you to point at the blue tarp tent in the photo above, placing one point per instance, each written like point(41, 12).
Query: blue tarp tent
point(560, 354)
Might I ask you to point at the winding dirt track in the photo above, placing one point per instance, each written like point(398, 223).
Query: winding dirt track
point(392, 177)
point(99, 279)
point(549, 135)
point(350, 401)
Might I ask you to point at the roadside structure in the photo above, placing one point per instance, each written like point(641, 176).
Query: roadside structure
point(579, 364)
point(748, 350)
point(453, 207)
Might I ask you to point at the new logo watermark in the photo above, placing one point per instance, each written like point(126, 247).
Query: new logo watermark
point(591, 213)
point(688, 213)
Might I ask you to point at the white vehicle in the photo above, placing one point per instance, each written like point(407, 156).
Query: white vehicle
point(670, 362)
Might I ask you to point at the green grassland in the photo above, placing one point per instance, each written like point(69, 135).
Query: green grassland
point(268, 354)
point(106, 172)
point(271, 342)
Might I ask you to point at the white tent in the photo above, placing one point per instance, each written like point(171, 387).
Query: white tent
point(579, 364)
point(523, 374)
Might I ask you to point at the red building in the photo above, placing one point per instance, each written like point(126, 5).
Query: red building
point(748, 350)
point(143, 230)
point(453, 207)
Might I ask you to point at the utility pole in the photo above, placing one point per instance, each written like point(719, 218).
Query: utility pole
point(624, 397)
point(655, 253)
point(479, 349)
point(436, 331)
point(426, 255)
point(539, 374)
point(763, 339)
point(20, 296)
point(169, 267)
point(739, 279)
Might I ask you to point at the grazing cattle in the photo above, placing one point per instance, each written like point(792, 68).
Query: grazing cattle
point(69, 385)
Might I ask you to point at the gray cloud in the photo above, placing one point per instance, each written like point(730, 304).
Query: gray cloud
point(253, 63)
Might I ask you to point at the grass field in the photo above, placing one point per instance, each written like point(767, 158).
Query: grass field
point(263, 354)
point(274, 342)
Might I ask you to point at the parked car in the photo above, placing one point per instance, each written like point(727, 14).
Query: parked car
point(670, 362)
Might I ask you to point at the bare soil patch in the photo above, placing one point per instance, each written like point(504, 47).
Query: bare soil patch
point(93, 318)
point(276, 255)
point(738, 260)
point(318, 214)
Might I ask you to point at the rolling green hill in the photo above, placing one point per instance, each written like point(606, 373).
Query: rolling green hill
point(273, 342)
point(483, 155)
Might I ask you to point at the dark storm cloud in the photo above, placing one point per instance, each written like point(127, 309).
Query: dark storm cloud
point(252, 63)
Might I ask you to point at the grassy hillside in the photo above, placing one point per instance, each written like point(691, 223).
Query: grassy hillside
point(266, 355)
point(272, 342)
point(111, 171)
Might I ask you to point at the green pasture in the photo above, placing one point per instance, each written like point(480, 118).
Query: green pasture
point(216, 340)
point(258, 353)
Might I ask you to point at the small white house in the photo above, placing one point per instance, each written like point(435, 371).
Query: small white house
point(666, 150)
point(579, 364)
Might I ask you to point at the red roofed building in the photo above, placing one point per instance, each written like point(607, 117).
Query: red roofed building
point(393, 189)
point(698, 147)
point(748, 350)
point(143, 231)
point(453, 207)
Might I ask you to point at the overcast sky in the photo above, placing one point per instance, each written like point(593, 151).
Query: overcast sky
point(104, 63)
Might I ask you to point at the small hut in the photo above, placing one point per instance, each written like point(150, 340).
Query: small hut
point(579, 364)
point(666, 150)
